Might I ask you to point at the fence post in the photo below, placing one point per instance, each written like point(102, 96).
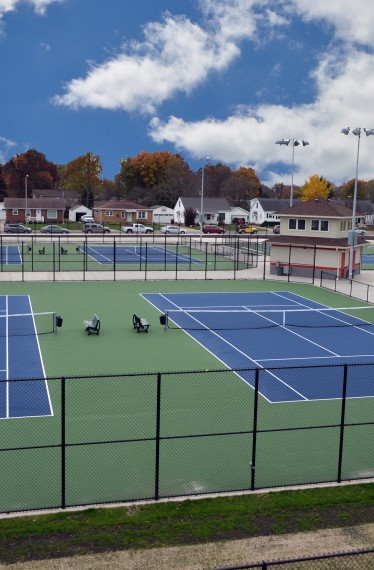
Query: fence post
point(254, 434)
point(158, 422)
point(63, 443)
point(342, 422)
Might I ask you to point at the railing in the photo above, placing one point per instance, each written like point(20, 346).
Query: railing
point(120, 438)
point(351, 287)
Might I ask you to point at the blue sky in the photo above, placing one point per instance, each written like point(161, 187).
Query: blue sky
point(218, 78)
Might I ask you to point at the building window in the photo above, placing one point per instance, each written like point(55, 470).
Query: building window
point(123, 215)
point(52, 214)
point(15, 212)
point(320, 225)
point(142, 215)
point(296, 224)
point(109, 213)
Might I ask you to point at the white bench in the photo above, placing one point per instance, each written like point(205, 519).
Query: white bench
point(93, 326)
point(140, 324)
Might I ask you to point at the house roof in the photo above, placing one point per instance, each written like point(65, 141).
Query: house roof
point(319, 208)
point(41, 203)
point(212, 204)
point(119, 205)
point(274, 204)
point(312, 241)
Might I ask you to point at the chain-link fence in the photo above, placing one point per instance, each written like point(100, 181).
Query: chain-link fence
point(83, 255)
point(147, 436)
point(356, 560)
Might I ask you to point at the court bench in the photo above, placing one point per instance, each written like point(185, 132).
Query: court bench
point(93, 326)
point(140, 324)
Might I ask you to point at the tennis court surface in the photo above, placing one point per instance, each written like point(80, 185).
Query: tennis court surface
point(20, 352)
point(276, 330)
point(128, 254)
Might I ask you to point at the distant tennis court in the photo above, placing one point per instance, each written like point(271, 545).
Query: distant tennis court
point(276, 329)
point(129, 254)
point(20, 357)
point(10, 255)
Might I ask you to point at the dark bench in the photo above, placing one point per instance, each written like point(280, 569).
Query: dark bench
point(42, 251)
point(140, 324)
point(63, 251)
point(93, 326)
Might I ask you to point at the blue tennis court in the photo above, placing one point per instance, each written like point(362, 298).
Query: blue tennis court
point(276, 329)
point(10, 255)
point(108, 254)
point(20, 357)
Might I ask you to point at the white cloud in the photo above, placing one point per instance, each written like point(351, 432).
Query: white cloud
point(8, 144)
point(177, 55)
point(39, 6)
point(248, 137)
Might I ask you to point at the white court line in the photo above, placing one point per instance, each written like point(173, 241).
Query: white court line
point(235, 349)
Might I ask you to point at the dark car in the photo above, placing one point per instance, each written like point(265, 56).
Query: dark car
point(213, 229)
point(53, 229)
point(16, 229)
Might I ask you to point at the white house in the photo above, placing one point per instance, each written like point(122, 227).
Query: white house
point(77, 212)
point(264, 211)
point(162, 215)
point(215, 210)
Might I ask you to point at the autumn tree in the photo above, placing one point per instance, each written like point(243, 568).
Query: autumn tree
point(40, 172)
point(347, 190)
point(316, 187)
point(83, 174)
point(242, 186)
point(149, 169)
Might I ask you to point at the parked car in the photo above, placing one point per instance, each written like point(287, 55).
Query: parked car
point(213, 229)
point(172, 230)
point(53, 229)
point(95, 229)
point(87, 220)
point(276, 229)
point(243, 229)
point(238, 221)
point(360, 231)
point(16, 229)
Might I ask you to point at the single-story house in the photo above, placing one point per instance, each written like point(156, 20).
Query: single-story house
point(215, 210)
point(162, 215)
point(44, 210)
point(121, 212)
point(316, 236)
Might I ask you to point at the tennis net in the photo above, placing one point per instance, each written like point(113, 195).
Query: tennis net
point(25, 324)
point(250, 318)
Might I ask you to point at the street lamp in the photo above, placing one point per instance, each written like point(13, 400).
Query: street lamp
point(352, 236)
point(295, 142)
point(26, 177)
point(206, 160)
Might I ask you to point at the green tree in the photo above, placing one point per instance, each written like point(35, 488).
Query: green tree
point(316, 187)
point(190, 216)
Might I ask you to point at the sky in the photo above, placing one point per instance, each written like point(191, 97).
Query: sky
point(222, 79)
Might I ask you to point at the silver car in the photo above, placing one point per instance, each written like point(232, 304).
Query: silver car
point(172, 230)
point(95, 229)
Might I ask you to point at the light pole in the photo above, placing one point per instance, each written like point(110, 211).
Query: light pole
point(26, 177)
point(352, 236)
point(295, 142)
point(206, 160)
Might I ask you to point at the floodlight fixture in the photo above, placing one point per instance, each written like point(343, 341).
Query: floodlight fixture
point(295, 142)
point(353, 236)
